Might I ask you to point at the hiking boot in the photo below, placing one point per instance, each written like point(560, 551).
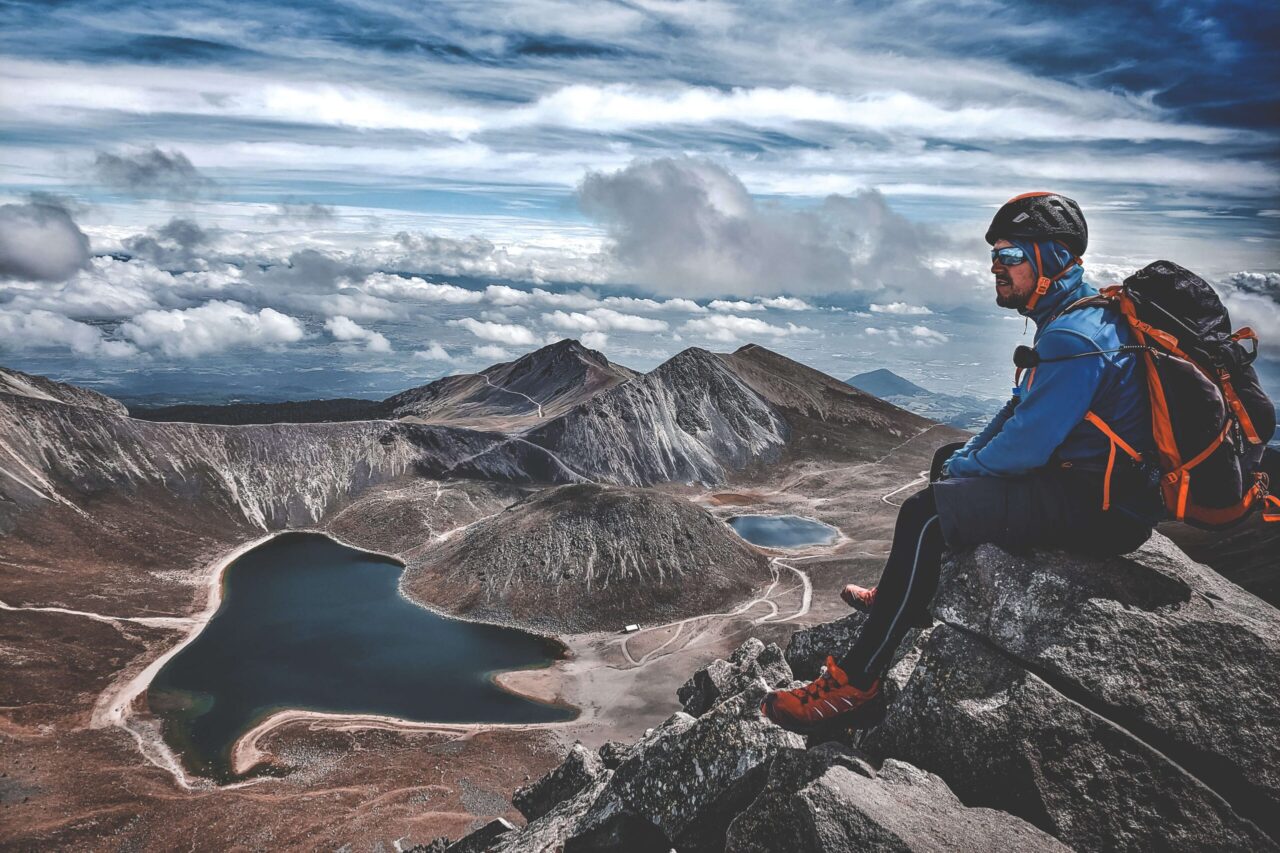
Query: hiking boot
point(827, 704)
point(859, 597)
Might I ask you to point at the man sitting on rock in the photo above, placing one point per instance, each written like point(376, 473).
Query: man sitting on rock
point(1033, 477)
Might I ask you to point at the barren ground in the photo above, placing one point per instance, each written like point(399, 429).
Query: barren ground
point(87, 608)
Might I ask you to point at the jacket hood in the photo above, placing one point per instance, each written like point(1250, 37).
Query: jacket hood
point(1062, 292)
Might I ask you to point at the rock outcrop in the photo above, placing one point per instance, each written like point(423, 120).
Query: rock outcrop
point(1057, 702)
point(830, 799)
point(721, 679)
point(588, 557)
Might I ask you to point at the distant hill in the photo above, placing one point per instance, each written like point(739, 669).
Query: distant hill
point(885, 383)
point(958, 410)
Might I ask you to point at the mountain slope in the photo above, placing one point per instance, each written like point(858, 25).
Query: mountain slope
point(590, 557)
point(41, 388)
point(513, 395)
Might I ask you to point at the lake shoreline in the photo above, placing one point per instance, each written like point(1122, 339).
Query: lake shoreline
point(117, 705)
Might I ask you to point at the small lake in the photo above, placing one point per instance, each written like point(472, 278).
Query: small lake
point(310, 624)
point(783, 531)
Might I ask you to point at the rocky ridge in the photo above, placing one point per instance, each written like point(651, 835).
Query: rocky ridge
point(1056, 702)
point(545, 383)
point(21, 384)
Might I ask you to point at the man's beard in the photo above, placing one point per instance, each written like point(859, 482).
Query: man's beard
point(1010, 298)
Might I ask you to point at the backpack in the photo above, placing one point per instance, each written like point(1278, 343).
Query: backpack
point(1210, 418)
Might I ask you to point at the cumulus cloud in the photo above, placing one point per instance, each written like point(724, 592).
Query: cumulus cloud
point(594, 340)
point(603, 319)
point(683, 225)
point(433, 352)
point(151, 171)
point(729, 327)
point(503, 333)
point(179, 243)
point(419, 290)
point(898, 308)
point(345, 329)
point(1258, 283)
point(490, 351)
point(38, 329)
point(734, 305)
point(213, 327)
point(40, 241)
point(919, 334)
point(786, 303)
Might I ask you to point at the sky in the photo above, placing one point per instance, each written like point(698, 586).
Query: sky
point(208, 201)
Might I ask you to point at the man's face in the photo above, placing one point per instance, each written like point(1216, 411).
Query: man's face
point(1015, 284)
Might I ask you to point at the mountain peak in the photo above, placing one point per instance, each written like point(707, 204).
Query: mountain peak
point(882, 382)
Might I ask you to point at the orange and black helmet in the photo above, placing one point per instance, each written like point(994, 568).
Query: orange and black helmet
point(1041, 216)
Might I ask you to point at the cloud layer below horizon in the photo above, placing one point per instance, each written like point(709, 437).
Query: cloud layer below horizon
point(378, 191)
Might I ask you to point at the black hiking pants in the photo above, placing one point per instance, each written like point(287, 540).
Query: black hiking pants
point(1056, 509)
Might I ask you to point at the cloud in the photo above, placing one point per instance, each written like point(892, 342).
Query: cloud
point(345, 329)
point(503, 333)
point(690, 226)
point(38, 329)
point(1258, 283)
point(734, 305)
point(489, 351)
point(898, 308)
point(310, 213)
point(728, 328)
point(594, 340)
point(151, 171)
point(210, 328)
point(603, 319)
point(1253, 299)
point(40, 241)
point(433, 352)
point(786, 303)
point(419, 290)
point(920, 335)
point(176, 244)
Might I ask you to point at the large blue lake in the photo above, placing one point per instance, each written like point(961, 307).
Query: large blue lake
point(310, 624)
point(783, 531)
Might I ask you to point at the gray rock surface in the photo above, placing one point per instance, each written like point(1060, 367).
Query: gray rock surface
point(579, 769)
point(1003, 738)
point(830, 800)
point(482, 839)
point(807, 652)
point(692, 785)
point(722, 679)
point(1154, 641)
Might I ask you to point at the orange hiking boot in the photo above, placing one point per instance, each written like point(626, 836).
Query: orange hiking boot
point(828, 703)
point(859, 597)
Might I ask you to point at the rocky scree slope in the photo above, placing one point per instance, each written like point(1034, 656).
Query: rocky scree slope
point(54, 452)
point(588, 557)
point(1056, 702)
point(700, 416)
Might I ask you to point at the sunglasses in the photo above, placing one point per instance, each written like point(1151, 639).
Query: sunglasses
point(1009, 256)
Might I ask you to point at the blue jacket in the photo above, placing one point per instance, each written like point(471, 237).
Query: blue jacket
point(1044, 420)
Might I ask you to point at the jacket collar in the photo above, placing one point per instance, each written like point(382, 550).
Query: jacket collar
point(1061, 293)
